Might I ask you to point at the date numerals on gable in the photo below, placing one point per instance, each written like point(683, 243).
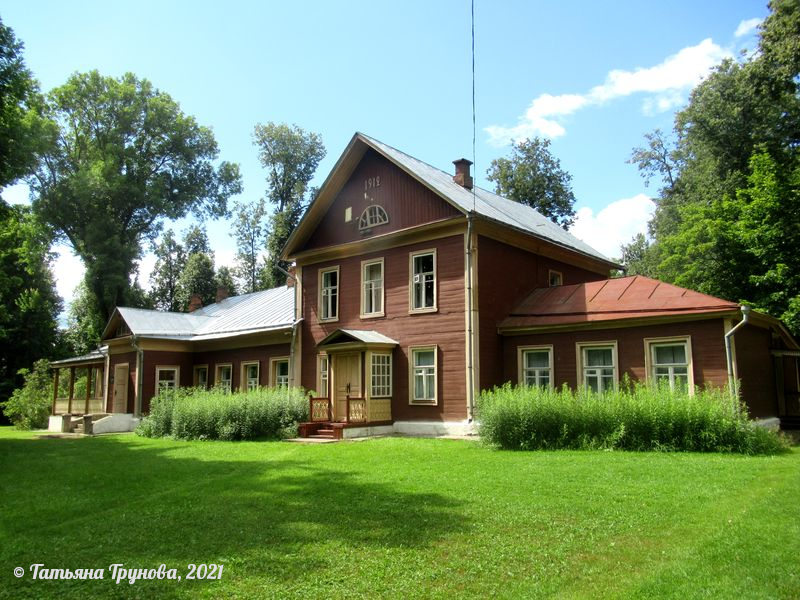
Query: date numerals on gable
point(372, 182)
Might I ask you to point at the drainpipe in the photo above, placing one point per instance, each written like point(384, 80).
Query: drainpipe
point(137, 405)
point(470, 365)
point(732, 384)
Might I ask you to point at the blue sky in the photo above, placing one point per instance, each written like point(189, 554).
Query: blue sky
point(594, 77)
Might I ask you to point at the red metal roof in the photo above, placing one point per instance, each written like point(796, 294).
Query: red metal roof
point(610, 300)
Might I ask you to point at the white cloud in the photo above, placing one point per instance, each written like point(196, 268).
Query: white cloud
point(665, 84)
point(613, 225)
point(17, 194)
point(747, 26)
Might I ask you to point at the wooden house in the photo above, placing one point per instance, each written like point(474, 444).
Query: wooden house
point(413, 290)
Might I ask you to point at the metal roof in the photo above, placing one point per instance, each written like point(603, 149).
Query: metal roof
point(358, 335)
point(486, 203)
point(250, 313)
point(610, 300)
point(93, 357)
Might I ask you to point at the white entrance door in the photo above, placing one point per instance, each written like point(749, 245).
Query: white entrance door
point(120, 404)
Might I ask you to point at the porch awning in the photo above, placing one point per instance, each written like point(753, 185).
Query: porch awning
point(356, 338)
point(96, 357)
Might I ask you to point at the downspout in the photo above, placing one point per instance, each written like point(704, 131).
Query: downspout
point(470, 326)
point(732, 384)
point(137, 405)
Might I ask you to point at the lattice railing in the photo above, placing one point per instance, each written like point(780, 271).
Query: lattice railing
point(319, 409)
point(356, 410)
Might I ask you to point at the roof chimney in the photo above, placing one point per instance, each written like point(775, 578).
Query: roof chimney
point(462, 176)
point(195, 303)
point(222, 293)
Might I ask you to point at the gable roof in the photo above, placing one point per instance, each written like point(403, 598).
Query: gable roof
point(482, 203)
point(610, 300)
point(267, 310)
point(365, 336)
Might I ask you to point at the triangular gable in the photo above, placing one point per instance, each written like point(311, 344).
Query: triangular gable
point(114, 322)
point(357, 336)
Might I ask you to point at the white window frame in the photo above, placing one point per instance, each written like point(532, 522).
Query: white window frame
point(218, 381)
point(550, 273)
point(195, 379)
point(323, 301)
point(411, 376)
point(175, 369)
point(521, 350)
point(273, 370)
point(581, 346)
point(372, 216)
point(382, 296)
point(380, 391)
point(649, 358)
point(244, 382)
point(323, 374)
point(425, 309)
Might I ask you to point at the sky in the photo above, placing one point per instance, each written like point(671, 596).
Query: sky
point(592, 77)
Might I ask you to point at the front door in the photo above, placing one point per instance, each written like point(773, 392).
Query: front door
point(347, 379)
point(120, 404)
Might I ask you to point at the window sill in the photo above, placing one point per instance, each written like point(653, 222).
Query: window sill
point(423, 311)
point(328, 320)
point(372, 316)
point(423, 403)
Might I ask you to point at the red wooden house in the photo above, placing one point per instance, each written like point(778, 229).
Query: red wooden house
point(414, 290)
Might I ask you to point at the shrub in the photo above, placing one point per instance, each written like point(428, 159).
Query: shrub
point(191, 413)
point(29, 406)
point(636, 417)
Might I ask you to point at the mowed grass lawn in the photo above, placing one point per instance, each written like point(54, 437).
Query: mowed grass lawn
point(397, 517)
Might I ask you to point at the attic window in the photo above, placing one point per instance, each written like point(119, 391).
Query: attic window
point(122, 329)
point(373, 215)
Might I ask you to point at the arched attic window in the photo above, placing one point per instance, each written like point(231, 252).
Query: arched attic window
point(373, 215)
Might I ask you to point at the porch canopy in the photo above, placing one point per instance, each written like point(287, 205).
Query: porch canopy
point(94, 363)
point(357, 339)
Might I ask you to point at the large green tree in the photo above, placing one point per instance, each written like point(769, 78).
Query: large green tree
point(250, 232)
point(197, 277)
point(125, 159)
point(29, 304)
point(291, 156)
point(170, 261)
point(727, 213)
point(533, 176)
point(22, 128)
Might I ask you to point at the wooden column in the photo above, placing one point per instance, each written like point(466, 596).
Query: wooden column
point(71, 389)
point(55, 388)
point(89, 373)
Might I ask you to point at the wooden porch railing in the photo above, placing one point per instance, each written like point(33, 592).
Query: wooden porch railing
point(319, 409)
point(356, 410)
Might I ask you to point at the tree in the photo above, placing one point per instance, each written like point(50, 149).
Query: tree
point(29, 405)
point(22, 128)
point(636, 257)
point(291, 156)
point(534, 177)
point(198, 278)
point(195, 240)
point(126, 158)
point(224, 279)
point(170, 261)
point(29, 304)
point(726, 221)
point(84, 326)
point(250, 233)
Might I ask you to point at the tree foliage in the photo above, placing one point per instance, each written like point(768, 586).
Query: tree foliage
point(29, 405)
point(533, 176)
point(170, 260)
point(198, 278)
point(291, 156)
point(251, 234)
point(84, 325)
point(22, 128)
point(125, 159)
point(727, 217)
point(224, 279)
point(29, 304)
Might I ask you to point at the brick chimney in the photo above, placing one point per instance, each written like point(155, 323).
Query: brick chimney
point(222, 293)
point(462, 176)
point(195, 303)
point(290, 280)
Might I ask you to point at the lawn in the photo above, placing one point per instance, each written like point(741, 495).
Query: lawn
point(397, 517)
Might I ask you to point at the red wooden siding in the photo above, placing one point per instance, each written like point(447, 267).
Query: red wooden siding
point(506, 275)
point(118, 359)
point(159, 358)
point(708, 350)
point(756, 371)
point(263, 354)
point(444, 328)
point(406, 201)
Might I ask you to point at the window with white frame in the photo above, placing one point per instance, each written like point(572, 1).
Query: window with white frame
point(423, 281)
point(555, 278)
point(322, 380)
point(380, 376)
point(329, 294)
point(670, 363)
point(372, 216)
point(224, 377)
point(201, 376)
point(280, 372)
point(598, 366)
point(166, 378)
point(250, 375)
point(423, 375)
point(536, 366)
point(372, 288)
